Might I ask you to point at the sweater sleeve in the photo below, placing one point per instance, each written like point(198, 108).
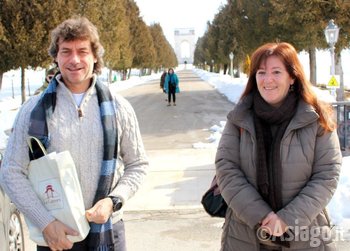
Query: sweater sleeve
point(14, 171)
point(131, 151)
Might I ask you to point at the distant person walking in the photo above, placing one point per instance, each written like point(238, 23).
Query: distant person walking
point(162, 79)
point(171, 86)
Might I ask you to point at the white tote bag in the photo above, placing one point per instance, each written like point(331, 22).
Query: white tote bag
point(55, 181)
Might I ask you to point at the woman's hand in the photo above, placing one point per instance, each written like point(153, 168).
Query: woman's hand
point(274, 225)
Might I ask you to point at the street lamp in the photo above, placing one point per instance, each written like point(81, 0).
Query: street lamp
point(212, 65)
point(231, 67)
point(332, 32)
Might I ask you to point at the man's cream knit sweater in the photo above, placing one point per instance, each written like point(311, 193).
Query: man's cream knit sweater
point(78, 130)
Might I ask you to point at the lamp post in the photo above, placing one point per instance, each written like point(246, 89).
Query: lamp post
point(212, 65)
point(332, 32)
point(231, 66)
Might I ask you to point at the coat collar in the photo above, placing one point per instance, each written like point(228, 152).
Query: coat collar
point(242, 115)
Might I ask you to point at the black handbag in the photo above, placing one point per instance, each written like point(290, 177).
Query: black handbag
point(213, 202)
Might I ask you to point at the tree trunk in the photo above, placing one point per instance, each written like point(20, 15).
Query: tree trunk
point(110, 73)
point(339, 71)
point(312, 59)
point(23, 84)
point(1, 75)
point(129, 73)
point(238, 73)
point(125, 72)
point(225, 68)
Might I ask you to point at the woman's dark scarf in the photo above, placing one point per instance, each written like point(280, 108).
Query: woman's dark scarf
point(101, 235)
point(269, 173)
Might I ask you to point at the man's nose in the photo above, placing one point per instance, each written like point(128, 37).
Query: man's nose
point(74, 58)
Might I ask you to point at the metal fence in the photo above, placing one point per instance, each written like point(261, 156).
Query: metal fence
point(342, 109)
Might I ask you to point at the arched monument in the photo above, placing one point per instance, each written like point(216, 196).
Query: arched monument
point(184, 45)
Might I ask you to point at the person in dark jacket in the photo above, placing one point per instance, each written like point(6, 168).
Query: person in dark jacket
point(278, 160)
point(171, 86)
point(162, 79)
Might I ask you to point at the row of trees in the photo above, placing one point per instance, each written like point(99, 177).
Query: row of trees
point(25, 28)
point(241, 26)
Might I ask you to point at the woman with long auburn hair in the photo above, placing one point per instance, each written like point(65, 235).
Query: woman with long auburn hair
point(278, 160)
point(287, 53)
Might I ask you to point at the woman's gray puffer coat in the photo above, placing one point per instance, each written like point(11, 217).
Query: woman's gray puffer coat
point(311, 164)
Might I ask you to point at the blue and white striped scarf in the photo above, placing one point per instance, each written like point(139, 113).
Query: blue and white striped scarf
point(101, 235)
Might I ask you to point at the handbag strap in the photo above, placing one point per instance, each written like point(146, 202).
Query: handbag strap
point(36, 148)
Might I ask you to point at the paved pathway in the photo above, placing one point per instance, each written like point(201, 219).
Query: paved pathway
point(166, 213)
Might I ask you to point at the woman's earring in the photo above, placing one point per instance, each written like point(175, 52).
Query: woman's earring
point(291, 88)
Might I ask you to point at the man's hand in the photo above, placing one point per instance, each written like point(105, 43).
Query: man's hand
point(100, 212)
point(55, 235)
point(274, 224)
